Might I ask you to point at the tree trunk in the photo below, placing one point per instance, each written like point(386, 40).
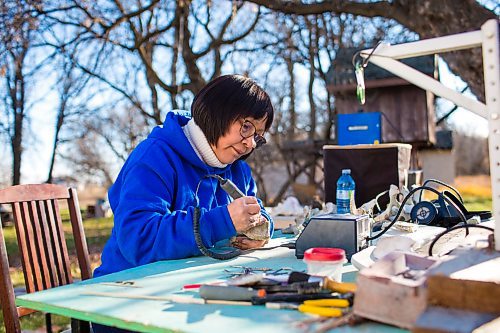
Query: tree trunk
point(59, 123)
point(312, 72)
point(291, 108)
point(17, 87)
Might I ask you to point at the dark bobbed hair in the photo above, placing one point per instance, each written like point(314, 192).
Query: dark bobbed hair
point(226, 99)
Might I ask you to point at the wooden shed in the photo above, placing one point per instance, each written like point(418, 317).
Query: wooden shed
point(407, 111)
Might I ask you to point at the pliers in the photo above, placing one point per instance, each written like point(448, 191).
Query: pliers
point(325, 307)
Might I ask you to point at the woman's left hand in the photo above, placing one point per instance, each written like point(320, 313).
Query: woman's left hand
point(245, 243)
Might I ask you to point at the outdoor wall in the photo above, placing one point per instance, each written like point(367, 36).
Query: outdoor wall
point(438, 164)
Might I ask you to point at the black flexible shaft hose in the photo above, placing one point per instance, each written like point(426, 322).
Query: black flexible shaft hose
point(203, 249)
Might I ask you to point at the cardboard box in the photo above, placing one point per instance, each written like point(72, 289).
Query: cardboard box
point(393, 290)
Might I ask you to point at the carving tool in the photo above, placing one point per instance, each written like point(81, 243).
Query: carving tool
point(326, 282)
point(230, 293)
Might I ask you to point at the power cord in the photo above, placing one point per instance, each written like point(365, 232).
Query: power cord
point(232, 191)
point(443, 184)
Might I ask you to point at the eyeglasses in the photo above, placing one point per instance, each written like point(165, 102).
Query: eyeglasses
point(248, 129)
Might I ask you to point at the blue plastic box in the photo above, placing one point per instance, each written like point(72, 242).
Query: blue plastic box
point(358, 128)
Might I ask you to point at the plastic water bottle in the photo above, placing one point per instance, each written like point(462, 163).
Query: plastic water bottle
point(345, 192)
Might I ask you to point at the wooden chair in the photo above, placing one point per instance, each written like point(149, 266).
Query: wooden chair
point(42, 245)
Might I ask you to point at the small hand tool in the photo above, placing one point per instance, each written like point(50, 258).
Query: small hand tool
point(328, 283)
point(291, 297)
point(321, 307)
point(297, 287)
point(230, 293)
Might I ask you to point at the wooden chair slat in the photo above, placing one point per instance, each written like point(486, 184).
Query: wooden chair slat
point(62, 243)
point(58, 259)
point(23, 247)
point(79, 233)
point(40, 245)
point(48, 243)
point(32, 251)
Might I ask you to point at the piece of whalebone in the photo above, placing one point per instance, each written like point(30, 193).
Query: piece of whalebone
point(330, 207)
point(393, 201)
point(401, 226)
point(259, 232)
point(409, 204)
point(366, 208)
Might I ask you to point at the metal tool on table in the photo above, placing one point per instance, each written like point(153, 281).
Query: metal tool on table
point(321, 307)
point(326, 282)
point(258, 296)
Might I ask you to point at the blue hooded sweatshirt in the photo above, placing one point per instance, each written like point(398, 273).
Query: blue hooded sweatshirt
point(153, 199)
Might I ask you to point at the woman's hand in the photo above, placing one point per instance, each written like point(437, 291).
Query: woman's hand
point(242, 212)
point(245, 243)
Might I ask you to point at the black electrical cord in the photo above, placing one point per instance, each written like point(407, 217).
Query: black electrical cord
point(203, 249)
point(443, 184)
point(466, 226)
point(233, 192)
point(196, 229)
point(462, 216)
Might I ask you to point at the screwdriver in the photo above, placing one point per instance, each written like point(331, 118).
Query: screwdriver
point(326, 282)
point(256, 296)
point(230, 293)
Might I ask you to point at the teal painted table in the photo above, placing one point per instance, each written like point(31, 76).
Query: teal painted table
point(166, 278)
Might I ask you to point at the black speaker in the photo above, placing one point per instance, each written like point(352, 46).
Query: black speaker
point(373, 167)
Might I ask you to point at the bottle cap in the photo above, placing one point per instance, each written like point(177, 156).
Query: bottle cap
point(346, 171)
point(324, 254)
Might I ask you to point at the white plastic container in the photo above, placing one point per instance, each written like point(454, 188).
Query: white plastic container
point(325, 261)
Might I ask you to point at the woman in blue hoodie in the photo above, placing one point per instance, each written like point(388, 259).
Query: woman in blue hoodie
point(164, 179)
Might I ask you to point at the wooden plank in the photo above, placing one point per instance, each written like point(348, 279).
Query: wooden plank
point(62, 243)
point(40, 259)
point(386, 296)
point(31, 246)
point(58, 260)
point(23, 247)
point(469, 281)
point(20, 193)
point(79, 235)
point(48, 242)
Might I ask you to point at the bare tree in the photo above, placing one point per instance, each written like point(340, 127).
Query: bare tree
point(70, 85)
point(17, 37)
point(428, 18)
